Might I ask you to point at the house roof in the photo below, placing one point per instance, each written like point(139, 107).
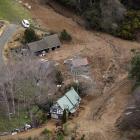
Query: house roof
point(69, 101)
point(77, 62)
point(73, 96)
point(64, 103)
point(47, 42)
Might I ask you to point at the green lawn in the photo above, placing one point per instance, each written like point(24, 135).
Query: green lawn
point(15, 122)
point(12, 11)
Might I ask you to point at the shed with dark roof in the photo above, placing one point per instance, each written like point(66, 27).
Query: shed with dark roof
point(48, 43)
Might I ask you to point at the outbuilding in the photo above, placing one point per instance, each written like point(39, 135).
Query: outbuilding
point(80, 66)
point(48, 43)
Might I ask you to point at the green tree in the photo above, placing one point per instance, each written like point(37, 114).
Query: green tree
point(30, 35)
point(64, 117)
point(135, 68)
point(65, 36)
point(59, 77)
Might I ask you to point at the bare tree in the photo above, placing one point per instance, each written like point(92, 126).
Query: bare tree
point(28, 81)
point(4, 100)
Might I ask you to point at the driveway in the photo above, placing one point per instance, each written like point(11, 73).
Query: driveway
point(5, 37)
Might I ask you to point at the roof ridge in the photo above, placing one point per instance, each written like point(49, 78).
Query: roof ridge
point(69, 100)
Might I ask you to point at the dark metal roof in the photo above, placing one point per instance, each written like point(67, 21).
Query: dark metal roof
point(47, 42)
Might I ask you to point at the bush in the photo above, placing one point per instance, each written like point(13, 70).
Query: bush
point(30, 35)
point(130, 24)
point(65, 36)
point(135, 68)
point(41, 117)
point(47, 133)
point(60, 136)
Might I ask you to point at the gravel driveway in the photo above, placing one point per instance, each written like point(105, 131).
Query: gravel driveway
point(5, 37)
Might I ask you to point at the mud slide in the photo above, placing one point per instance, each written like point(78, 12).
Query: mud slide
point(99, 48)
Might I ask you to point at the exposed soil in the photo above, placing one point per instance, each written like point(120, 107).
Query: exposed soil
point(107, 55)
point(100, 48)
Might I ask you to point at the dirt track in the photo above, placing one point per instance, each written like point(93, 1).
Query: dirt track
point(101, 49)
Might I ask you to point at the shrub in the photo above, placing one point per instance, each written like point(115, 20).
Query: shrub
point(135, 68)
point(65, 129)
point(45, 131)
point(60, 136)
point(41, 117)
point(65, 36)
point(30, 35)
point(130, 24)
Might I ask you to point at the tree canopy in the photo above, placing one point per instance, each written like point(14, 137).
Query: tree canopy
point(135, 68)
point(30, 35)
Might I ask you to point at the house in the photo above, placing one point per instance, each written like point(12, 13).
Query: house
point(70, 101)
point(79, 66)
point(48, 43)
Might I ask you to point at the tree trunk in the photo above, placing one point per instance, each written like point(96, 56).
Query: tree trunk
point(6, 102)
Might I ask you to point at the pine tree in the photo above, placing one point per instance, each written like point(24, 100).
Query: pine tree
point(64, 117)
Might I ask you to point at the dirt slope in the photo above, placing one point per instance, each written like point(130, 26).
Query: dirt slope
point(98, 46)
point(104, 52)
point(103, 124)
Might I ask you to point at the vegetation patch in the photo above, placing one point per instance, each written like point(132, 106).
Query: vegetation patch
point(119, 17)
point(135, 66)
point(130, 25)
point(17, 121)
point(46, 132)
point(65, 36)
point(30, 36)
point(12, 11)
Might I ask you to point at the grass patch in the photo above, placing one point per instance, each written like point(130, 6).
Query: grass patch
point(15, 122)
point(12, 11)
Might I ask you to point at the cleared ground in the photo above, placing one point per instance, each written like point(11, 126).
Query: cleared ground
point(10, 10)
